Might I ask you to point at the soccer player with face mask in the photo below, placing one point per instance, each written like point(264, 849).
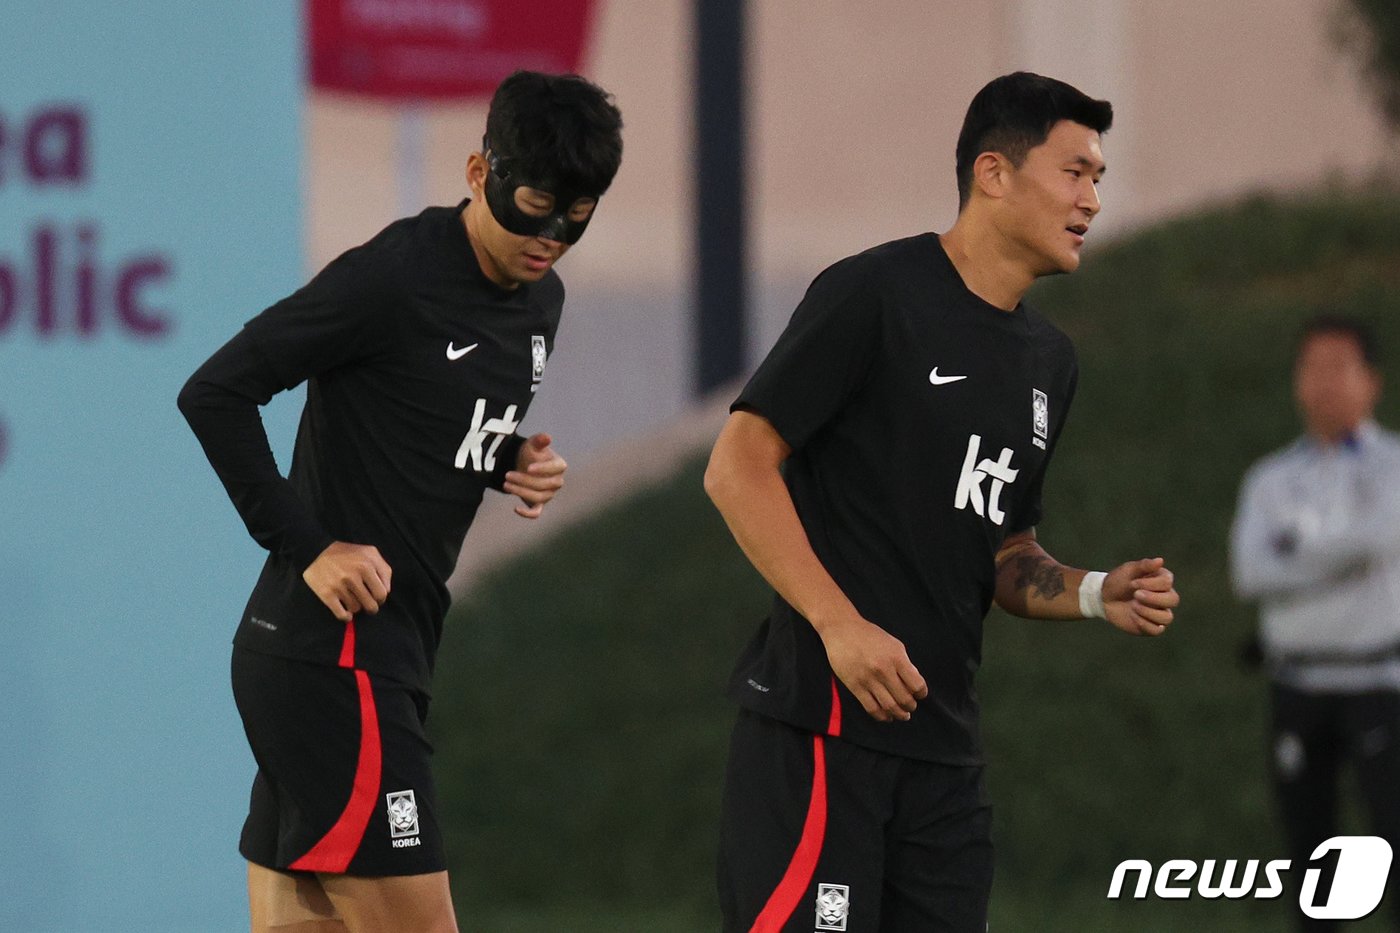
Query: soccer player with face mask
point(883, 470)
point(421, 350)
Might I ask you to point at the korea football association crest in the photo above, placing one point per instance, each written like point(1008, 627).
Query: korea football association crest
point(1040, 418)
point(833, 906)
point(403, 819)
point(538, 355)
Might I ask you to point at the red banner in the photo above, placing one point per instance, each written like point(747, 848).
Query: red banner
point(440, 49)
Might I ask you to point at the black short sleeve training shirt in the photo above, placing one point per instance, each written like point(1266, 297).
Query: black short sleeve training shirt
point(921, 420)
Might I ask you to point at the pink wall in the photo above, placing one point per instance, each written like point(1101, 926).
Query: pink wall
point(855, 108)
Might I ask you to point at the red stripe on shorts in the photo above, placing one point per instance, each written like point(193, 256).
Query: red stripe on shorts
point(337, 847)
point(347, 647)
point(798, 877)
point(833, 725)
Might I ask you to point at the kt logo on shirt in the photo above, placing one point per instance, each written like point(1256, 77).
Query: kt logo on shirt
point(970, 493)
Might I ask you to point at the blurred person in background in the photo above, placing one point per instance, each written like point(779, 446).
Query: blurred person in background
point(883, 471)
point(421, 350)
point(1316, 541)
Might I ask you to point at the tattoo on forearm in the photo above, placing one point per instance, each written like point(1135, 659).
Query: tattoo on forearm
point(1047, 577)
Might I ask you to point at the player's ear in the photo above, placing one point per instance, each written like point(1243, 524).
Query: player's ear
point(991, 174)
point(476, 174)
point(1375, 384)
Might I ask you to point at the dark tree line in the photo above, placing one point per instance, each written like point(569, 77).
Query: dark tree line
point(1371, 28)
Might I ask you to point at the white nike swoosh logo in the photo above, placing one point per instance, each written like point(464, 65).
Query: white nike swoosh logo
point(938, 380)
point(455, 354)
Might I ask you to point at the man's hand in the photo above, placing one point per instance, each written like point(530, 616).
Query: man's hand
point(1138, 597)
point(538, 476)
point(874, 666)
point(349, 578)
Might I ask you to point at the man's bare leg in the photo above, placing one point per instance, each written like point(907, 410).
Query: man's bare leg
point(402, 904)
point(284, 903)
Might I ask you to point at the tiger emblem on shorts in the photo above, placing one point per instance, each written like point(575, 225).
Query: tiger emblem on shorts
point(833, 906)
point(403, 814)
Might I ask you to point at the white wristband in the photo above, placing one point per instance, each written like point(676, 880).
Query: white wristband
point(1091, 595)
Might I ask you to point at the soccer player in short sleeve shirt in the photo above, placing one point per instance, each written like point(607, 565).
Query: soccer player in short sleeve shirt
point(883, 470)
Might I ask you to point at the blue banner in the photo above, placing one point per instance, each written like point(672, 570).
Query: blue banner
point(149, 204)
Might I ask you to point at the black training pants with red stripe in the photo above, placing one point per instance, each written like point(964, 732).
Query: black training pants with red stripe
point(344, 782)
point(818, 834)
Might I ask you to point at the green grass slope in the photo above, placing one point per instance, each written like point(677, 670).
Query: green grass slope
point(579, 718)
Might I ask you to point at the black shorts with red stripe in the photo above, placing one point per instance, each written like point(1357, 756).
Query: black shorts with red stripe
point(344, 782)
point(819, 834)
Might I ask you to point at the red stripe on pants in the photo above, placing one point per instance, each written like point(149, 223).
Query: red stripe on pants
point(347, 647)
point(798, 877)
point(337, 847)
point(833, 725)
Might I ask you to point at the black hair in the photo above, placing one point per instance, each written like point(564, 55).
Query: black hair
point(556, 129)
point(1331, 323)
point(1015, 113)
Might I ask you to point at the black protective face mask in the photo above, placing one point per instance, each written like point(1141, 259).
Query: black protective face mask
point(501, 184)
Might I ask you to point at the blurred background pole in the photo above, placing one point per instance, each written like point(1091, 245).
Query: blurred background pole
point(720, 195)
point(411, 158)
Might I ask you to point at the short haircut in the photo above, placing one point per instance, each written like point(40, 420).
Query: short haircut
point(1015, 113)
point(556, 129)
point(1343, 325)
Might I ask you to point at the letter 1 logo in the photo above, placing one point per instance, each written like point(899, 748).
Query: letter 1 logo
point(1358, 880)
